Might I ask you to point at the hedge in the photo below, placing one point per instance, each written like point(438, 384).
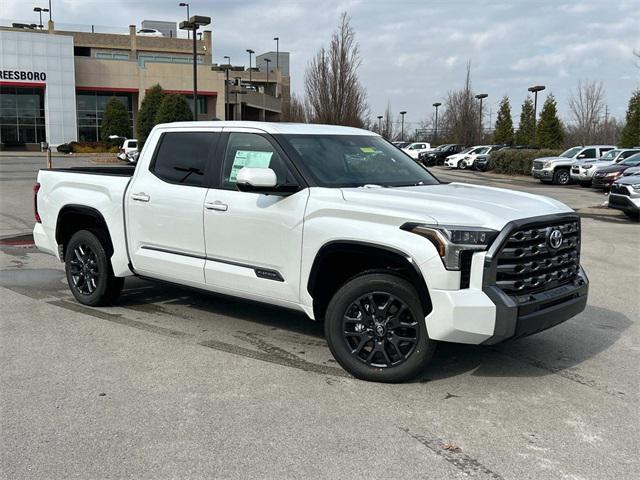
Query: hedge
point(517, 162)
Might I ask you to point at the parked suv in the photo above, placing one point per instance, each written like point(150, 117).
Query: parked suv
point(467, 158)
point(557, 170)
point(605, 176)
point(331, 221)
point(438, 154)
point(625, 195)
point(582, 170)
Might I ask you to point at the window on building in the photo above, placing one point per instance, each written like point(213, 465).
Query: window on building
point(21, 116)
point(82, 51)
point(202, 103)
point(182, 157)
point(90, 107)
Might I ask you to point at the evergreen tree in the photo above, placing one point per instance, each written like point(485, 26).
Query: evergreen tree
point(503, 132)
point(526, 134)
point(148, 110)
point(174, 108)
point(630, 136)
point(115, 120)
point(549, 131)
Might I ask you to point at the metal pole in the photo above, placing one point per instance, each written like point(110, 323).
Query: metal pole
point(480, 124)
point(188, 17)
point(49, 10)
point(226, 96)
point(48, 157)
point(195, 74)
point(277, 53)
point(535, 107)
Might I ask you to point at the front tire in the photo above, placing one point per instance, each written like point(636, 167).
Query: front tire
point(462, 165)
point(376, 330)
point(89, 271)
point(561, 177)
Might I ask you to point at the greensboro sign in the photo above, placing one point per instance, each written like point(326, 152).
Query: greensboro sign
point(23, 76)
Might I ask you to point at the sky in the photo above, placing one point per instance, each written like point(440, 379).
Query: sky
point(413, 52)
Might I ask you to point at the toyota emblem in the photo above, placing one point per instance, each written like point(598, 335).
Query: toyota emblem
point(555, 239)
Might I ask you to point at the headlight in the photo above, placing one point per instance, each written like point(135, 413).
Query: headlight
point(613, 174)
point(467, 157)
point(636, 186)
point(546, 164)
point(451, 241)
point(587, 167)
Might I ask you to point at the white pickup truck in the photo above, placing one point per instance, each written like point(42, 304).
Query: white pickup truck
point(332, 221)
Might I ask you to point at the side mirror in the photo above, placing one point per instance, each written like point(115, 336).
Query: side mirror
point(262, 180)
point(582, 155)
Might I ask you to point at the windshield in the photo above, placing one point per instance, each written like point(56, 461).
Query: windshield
point(441, 148)
point(632, 161)
point(610, 155)
point(357, 160)
point(572, 152)
point(483, 150)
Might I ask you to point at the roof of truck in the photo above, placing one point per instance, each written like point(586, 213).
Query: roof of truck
point(275, 128)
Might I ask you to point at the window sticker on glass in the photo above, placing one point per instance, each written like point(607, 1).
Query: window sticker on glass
point(367, 149)
point(247, 158)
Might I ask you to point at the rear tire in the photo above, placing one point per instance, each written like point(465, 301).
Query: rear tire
point(89, 271)
point(376, 330)
point(561, 177)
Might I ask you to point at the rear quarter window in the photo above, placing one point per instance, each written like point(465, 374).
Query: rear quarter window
point(182, 157)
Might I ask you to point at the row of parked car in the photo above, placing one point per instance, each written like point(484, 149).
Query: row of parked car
point(616, 170)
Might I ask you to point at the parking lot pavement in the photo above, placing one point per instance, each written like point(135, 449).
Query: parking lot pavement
point(172, 383)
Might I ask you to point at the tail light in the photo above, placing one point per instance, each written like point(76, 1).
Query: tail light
point(36, 189)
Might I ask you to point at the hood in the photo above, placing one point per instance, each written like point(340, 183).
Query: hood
point(632, 171)
point(546, 159)
point(616, 167)
point(629, 179)
point(455, 204)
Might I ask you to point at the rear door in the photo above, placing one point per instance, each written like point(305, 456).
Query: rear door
point(165, 205)
point(254, 241)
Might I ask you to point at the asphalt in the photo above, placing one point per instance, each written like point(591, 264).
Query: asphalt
point(172, 383)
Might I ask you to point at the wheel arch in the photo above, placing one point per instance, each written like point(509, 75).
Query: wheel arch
point(72, 218)
point(338, 261)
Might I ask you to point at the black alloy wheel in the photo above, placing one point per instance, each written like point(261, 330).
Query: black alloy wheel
point(380, 330)
point(84, 269)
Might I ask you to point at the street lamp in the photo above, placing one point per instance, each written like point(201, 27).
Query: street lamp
point(192, 24)
point(49, 10)
point(268, 61)
point(535, 89)
point(402, 129)
point(480, 96)
point(182, 4)
point(435, 135)
point(226, 67)
point(277, 39)
point(380, 124)
point(40, 10)
point(250, 52)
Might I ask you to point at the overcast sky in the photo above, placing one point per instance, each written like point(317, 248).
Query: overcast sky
point(413, 52)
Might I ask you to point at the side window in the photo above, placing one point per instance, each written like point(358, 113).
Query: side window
point(251, 150)
point(182, 157)
point(628, 154)
point(588, 153)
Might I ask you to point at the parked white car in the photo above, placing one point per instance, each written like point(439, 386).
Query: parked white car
point(129, 146)
point(150, 32)
point(415, 149)
point(331, 221)
point(465, 158)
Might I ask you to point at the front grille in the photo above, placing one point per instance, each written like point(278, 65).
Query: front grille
point(537, 165)
point(528, 264)
point(620, 190)
point(575, 170)
point(618, 201)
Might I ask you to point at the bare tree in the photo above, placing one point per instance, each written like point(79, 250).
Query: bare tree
point(295, 110)
point(388, 128)
point(636, 53)
point(586, 106)
point(333, 90)
point(461, 114)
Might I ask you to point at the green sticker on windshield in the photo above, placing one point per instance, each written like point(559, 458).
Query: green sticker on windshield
point(248, 158)
point(368, 149)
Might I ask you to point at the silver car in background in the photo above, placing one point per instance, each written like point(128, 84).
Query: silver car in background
point(582, 170)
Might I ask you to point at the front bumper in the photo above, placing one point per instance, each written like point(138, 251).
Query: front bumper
point(581, 175)
point(542, 174)
point(624, 203)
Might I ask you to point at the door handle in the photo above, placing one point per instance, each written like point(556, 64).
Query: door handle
point(140, 197)
point(217, 205)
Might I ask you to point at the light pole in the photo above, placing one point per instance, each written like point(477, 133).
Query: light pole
point(277, 39)
point(268, 61)
point(192, 24)
point(49, 10)
point(380, 124)
point(435, 135)
point(182, 4)
point(402, 128)
point(480, 96)
point(250, 52)
point(535, 89)
point(40, 10)
point(227, 67)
